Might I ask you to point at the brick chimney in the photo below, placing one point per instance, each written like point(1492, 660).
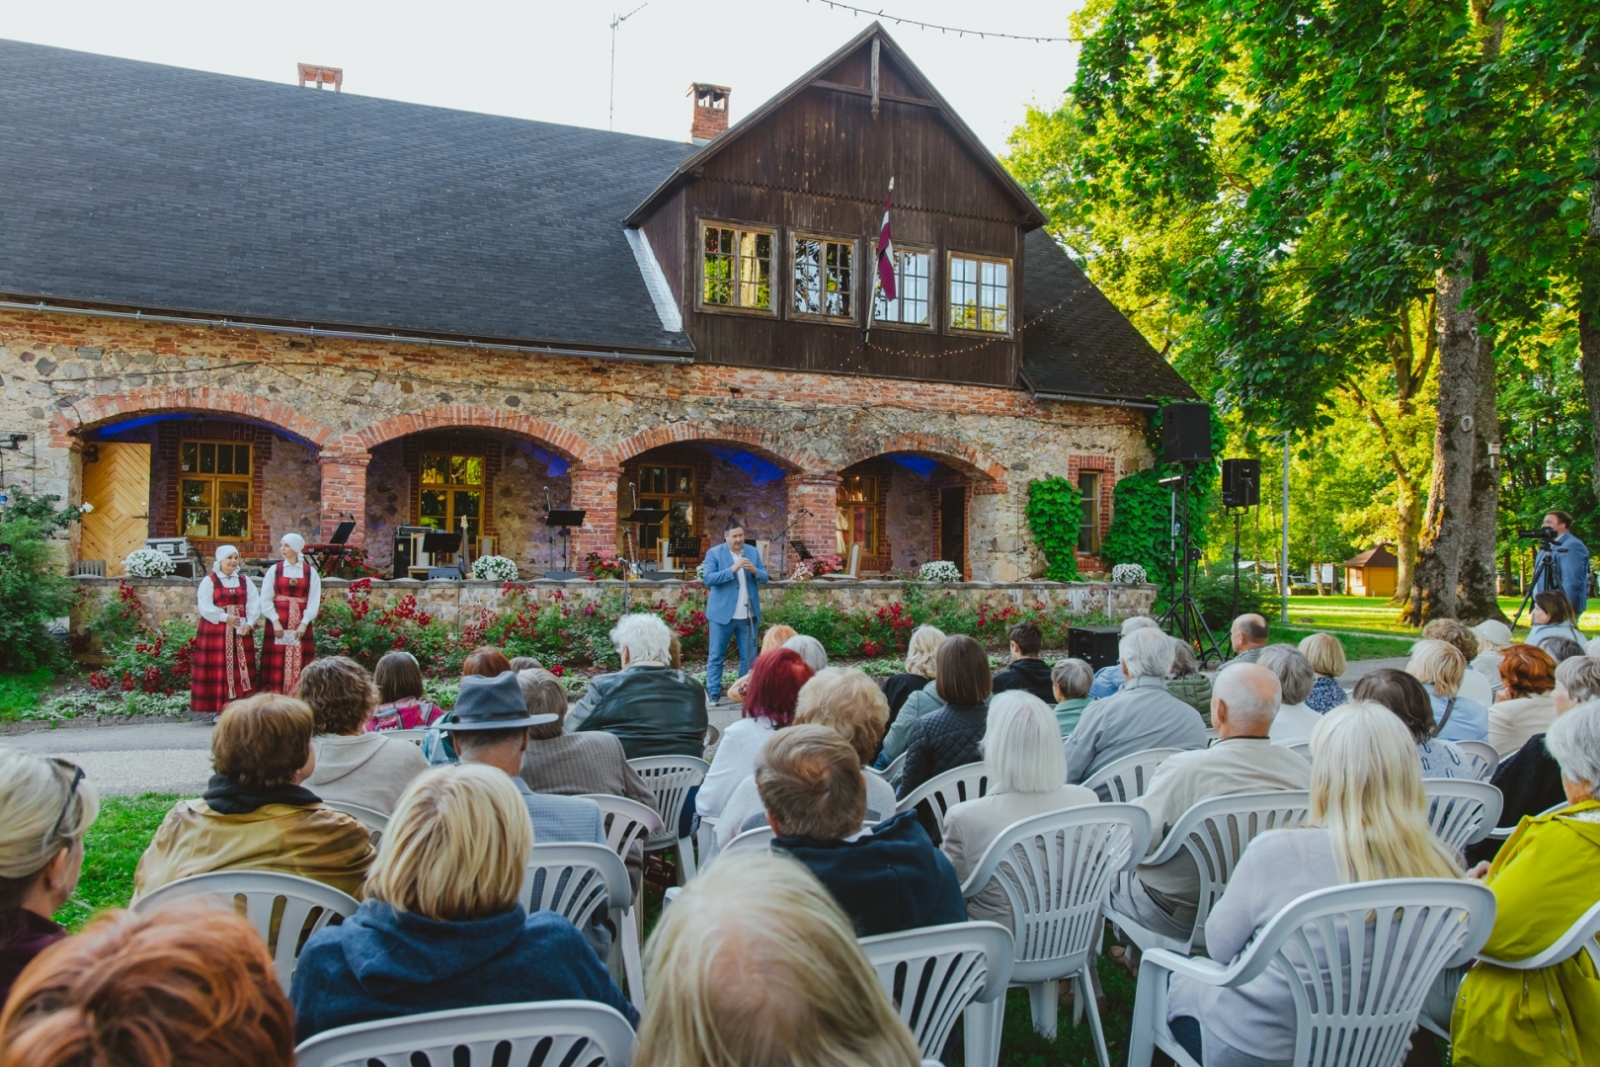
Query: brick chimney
point(710, 111)
point(312, 74)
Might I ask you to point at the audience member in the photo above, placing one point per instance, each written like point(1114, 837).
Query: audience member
point(485, 661)
point(1141, 715)
point(811, 651)
point(651, 708)
point(754, 965)
point(675, 653)
point(1440, 667)
point(255, 815)
point(1368, 822)
point(1247, 636)
point(1027, 671)
point(1553, 616)
point(518, 664)
point(1406, 697)
point(919, 703)
point(949, 737)
point(1493, 635)
point(1325, 653)
point(1543, 881)
point(920, 651)
point(1529, 779)
point(1457, 634)
point(1107, 680)
point(886, 878)
point(400, 694)
point(773, 639)
point(178, 987)
point(48, 808)
point(441, 926)
point(1070, 680)
point(354, 765)
point(1185, 681)
point(1294, 721)
point(1560, 648)
point(846, 701)
point(1526, 706)
point(775, 681)
point(1164, 898)
point(1026, 774)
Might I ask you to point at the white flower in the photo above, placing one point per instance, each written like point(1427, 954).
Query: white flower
point(148, 563)
point(1128, 573)
point(494, 569)
point(940, 570)
point(85, 507)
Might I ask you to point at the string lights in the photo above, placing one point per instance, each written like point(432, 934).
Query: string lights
point(957, 30)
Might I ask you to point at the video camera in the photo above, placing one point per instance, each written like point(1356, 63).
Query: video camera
point(1544, 535)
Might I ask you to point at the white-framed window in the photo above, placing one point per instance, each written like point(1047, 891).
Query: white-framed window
point(824, 277)
point(980, 293)
point(736, 267)
point(913, 281)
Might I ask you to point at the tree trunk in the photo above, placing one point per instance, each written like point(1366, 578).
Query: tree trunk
point(1478, 590)
point(1589, 329)
point(1445, 530)
point(1408, 513)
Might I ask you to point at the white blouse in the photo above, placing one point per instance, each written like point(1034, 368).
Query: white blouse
point(207, 603)
point(269, 582)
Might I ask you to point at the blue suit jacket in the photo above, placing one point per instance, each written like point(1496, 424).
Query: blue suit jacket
point(722, 584)
point(1572, 559)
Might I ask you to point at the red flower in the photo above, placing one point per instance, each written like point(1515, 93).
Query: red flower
point(127, 683)
point(557, 669)
point(99, 680)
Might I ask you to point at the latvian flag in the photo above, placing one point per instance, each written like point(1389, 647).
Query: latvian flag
point(886, 250)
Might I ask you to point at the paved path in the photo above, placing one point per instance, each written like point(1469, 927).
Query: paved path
point(128, 760)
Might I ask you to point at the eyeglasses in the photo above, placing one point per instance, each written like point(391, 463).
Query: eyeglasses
point(72, 790)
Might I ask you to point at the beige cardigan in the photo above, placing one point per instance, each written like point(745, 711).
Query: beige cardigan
point(972, 826)
point(1513, 722)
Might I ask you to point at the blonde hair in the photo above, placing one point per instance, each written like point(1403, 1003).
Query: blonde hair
point(1325, 654)
point(1022, 744)
point(847, 701)
point(776, 636)
point(42, 815)
point(1439, 664)
point(1366, 791)
point(922, 651)
point(754, 965)
point(457, 846)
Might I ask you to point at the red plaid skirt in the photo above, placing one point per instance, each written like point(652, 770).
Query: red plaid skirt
point(273, 660)
point(208, 688)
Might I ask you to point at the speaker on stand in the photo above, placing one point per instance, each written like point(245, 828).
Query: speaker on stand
point(1186, 443)
point(1241, 490)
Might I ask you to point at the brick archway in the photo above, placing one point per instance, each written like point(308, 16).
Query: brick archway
point(456, 416)
point(204, 400)
point(770, 446)
point(987, 473)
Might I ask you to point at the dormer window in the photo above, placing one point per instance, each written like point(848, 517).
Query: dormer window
point(824, 277)
point(980, 293)
point(736, 267)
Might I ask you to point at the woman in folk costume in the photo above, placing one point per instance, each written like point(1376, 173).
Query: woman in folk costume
point(224, 650)
point(291, 592)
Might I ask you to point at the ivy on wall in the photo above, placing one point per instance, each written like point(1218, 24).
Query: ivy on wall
point(1055, 511)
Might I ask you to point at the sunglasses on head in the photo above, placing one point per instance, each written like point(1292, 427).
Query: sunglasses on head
point(72, 791)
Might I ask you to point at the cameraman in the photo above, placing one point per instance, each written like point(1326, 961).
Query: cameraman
point(1572, 561)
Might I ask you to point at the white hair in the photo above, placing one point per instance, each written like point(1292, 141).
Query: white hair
point(1145, 653)
point(1580, 677)
point(1022, 744)
point(1592, 649)
point(1135, 623)
point(1574, 741)
point(1246, 702)
point(1294, 671)
point(810, 650)
point(1074, 677)
point(646, 638)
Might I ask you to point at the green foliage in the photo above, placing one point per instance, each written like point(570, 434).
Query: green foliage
point(21, 693)
point(1055, 511)
point(35, 594)
point(1213, 593)
point(364, 631)
point(152, 661)
point(111, 851)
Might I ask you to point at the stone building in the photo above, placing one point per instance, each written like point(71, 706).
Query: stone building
point(232, 309)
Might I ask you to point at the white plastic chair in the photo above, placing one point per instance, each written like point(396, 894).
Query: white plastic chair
point(415, 736)
point(891, 773)
point(852, 569)
point(580, 1032)
point(1462, 812)
point(628, 822)
point(1482, 756)
point(713, 735)
point(307, 907)
point(1214, 833)
point(1302, 749)
point(574, 880)
point(1127, 779)
point(1501, 833)
point(1360, 1011)
point(1581, 936)
point(757, 840)
point(376, 822)
point(671, 778)
point(943, 791)
point(1056, 870)
point(937, 973)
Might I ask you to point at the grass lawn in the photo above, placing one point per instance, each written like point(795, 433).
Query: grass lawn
point(111, 851)
point(23, 692)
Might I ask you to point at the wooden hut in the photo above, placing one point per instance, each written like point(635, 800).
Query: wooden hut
point(1372, 573)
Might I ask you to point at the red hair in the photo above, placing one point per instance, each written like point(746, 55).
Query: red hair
point(178, 987)
point(487, 661)
point(1527, 670)
point(775, 683)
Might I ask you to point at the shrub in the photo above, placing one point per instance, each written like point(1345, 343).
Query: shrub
point(1213, 593)
point(153, 661)
point(1129, 573)
point(148, 563)
point(33, 591)
point(605, 565)
point(364, 631)
point(1055, 511)
point(494, 569)
point(940, 571)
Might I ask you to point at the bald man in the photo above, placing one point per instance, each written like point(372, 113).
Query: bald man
point(1248, 636)
point(1244, 702)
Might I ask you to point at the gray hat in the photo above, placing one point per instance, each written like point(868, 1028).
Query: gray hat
point(492, 704)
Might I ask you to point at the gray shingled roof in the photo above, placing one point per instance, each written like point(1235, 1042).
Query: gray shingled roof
point(150, 186)
point(1084, 346)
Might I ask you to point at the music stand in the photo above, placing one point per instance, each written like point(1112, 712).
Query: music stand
point(332, 552)
point(640, 517)
point(563, 519)
point(800, 550)
point(435, 542)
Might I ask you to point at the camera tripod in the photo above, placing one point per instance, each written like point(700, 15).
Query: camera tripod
point(1183, 618)
point(1546, 575)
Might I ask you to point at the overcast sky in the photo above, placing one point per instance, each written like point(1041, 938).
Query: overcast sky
point(542, 60)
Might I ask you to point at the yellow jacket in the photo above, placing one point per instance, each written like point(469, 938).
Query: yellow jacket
point(1545, 877)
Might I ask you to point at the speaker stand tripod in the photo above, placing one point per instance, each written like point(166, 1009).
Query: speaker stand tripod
point(1183, 618)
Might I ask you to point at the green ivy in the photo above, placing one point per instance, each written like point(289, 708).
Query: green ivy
point(1055, 511)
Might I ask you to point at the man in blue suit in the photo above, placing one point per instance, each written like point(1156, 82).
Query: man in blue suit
point(1572, 562)
point(734, 573)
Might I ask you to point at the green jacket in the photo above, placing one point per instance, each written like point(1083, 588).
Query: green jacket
point(1068, 712)
point(1194, 691)
point(652, 710)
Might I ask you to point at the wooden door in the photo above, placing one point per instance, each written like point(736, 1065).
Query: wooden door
point(953, 526)
point(117, 484)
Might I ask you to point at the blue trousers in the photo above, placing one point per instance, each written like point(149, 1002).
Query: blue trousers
point(741, 630)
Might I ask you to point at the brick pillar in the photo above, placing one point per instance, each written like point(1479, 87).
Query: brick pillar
point(595, 493)
point(817, 494)
point(344, 493)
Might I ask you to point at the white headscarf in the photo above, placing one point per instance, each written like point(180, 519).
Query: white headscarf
point(294, 541)
point(223, 552)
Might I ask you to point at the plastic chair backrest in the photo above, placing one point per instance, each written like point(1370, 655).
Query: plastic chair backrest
point(1501, 833)
point(577, 1033)
point(376, 822)
point(306, 907)
point(575, 879)
point(670, 778)
point(757, 840)
point(626, 821)
point(1581, 936)
point(933, 973)
point(1461, 811)
point(1482, 757)
point(944, 791)
point(415, 736)
point(1056, 869)
point(1302, 749)
point(891, 773)
point(1128, 778)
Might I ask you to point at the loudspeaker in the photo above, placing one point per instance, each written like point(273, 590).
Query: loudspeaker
point(1241, 483)
point(1186, 433)
point(1096, 645)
